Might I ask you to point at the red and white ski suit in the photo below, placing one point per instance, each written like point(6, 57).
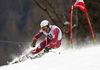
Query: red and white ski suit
point(53, 39)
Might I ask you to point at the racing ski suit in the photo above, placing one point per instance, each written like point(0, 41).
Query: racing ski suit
point(53, 39)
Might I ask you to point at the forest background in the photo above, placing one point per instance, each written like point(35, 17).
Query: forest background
point(20, 21)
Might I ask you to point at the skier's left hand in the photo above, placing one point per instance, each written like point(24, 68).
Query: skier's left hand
point(47, 49)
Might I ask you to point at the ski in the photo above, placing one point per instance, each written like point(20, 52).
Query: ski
point(25, 57)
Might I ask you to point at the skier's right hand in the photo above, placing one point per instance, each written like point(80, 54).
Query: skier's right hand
point(33, 44)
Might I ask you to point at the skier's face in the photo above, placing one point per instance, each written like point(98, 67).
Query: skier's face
point(47, 30)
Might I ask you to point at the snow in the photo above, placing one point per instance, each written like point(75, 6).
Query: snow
point(72, 59)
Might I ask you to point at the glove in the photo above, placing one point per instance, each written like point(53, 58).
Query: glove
point(47, 49)
point(33, 44)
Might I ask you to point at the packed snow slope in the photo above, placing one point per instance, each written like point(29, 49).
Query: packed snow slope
point(76, 59)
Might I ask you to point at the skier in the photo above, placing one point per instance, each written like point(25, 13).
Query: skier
point(52, 41)
point(53, 37)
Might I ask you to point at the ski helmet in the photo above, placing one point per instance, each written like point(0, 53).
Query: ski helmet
point(44, 23)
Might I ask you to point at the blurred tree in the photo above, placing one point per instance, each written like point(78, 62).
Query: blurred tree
point(55, 12)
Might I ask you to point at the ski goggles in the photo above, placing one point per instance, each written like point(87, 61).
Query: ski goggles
point(45, 27)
